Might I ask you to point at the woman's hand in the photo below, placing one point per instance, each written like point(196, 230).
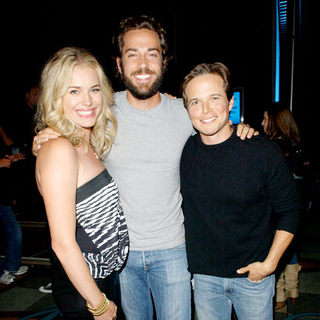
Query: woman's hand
point(110, 314)
point(170, 96)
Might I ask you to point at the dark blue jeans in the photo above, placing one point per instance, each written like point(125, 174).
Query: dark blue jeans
point(10, 227)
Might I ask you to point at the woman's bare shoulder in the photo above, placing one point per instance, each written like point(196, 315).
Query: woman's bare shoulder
point(57, 153)
point(56, 146)
point(56, 162)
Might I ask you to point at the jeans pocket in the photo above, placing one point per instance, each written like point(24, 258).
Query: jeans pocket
point(255, 282)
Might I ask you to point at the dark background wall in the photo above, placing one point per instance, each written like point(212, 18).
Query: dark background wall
point(237, 33)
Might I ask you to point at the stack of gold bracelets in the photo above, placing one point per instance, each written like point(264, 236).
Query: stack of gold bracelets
point(101, 308)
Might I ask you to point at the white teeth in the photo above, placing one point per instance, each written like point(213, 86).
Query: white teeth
point(208, 120)
point(143, 76)
point(85, 113)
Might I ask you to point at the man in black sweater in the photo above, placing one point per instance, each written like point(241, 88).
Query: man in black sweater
point(231, 188)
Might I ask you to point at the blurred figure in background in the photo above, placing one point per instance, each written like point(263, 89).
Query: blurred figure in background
point(32, 97)
point(9, 225)
point(279, 125)
point(29, 202)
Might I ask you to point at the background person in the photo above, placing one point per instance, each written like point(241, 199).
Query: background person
point(28, 200)
point(9, 226)
point(280, 127)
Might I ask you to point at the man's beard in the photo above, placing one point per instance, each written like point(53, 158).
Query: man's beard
point(147, 92)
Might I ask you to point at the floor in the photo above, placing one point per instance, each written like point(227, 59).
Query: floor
point(22, 298)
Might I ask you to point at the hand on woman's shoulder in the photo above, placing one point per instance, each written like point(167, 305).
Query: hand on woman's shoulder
point(55, 147)
point(57, 155)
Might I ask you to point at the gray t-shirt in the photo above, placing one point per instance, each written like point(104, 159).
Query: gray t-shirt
point(144, 161)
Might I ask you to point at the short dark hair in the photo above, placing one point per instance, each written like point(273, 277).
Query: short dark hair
point(140, 22)
point(207, 68)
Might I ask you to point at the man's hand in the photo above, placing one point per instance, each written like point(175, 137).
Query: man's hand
point(244, 131)
point(43, 136)
point(258, 271)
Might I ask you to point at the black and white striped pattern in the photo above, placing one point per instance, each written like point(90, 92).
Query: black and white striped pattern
point(100, 215)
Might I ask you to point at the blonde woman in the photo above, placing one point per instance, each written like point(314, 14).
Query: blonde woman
point(87, 226)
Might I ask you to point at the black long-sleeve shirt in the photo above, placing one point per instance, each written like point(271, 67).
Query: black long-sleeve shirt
point(229, 193)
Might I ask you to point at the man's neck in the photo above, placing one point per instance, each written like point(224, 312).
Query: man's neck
point(219, 137)
point(146, 104)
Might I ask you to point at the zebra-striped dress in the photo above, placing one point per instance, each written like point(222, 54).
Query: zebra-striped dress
point(101, 227)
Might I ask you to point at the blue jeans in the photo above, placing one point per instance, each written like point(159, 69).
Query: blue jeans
point(160, 275)
point(294, 258)
point(214, 297)
point(10, 227)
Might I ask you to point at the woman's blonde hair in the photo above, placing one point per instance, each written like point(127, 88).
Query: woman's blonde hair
point(55, 79)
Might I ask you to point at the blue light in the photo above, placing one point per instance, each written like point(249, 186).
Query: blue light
point(277, 59)
point(282, 9)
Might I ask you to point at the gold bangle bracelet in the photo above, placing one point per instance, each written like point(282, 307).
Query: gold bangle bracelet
point(101, 308)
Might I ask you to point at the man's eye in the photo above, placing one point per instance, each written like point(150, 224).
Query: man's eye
point(194, 103)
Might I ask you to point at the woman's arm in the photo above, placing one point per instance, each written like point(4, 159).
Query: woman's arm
point(57, 175)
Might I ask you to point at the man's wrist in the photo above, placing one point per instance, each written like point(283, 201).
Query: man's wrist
point(269, 266)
